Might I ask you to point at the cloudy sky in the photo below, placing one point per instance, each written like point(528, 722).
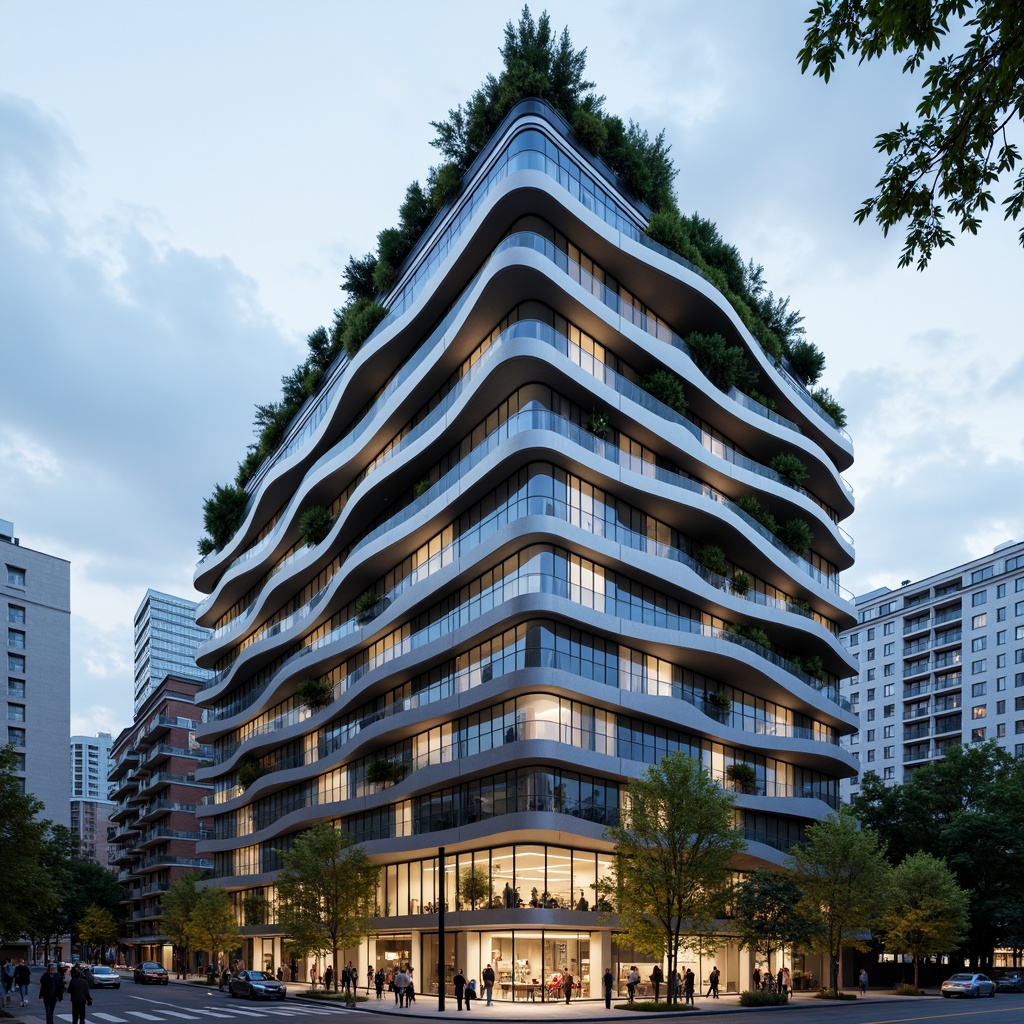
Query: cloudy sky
point(182, 183)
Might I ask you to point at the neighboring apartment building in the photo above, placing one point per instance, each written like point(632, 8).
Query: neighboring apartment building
point(90, 806)
point(166, 638)
point(154, 787)
point(510, 615)
point(941, 663)
point(35, 699)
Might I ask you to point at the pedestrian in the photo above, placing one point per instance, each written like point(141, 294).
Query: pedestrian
point(470, 993)
point(328, 978)
point(312, 977)
point(757, 978)
point(713, 983)
point(656, 979)
point(862, 981)
point(78, 992)
point(632, 980)
point(378, 982)
point(410, 989)
point(567, 985)
point(7, 977)
point(401, 987)
point(369, 978)
point(51, 990)
point(787, 982)
point(22, 980)
point(608, 981)
point(488, 979)
point(780, 981)
point(688, 980)
point(458, 983)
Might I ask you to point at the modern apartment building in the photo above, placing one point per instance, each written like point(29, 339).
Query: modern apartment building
point(537, 581)
point(166, 638)
point(941, 663)
point(35, 601)
point(90, 806)
point(153, 782)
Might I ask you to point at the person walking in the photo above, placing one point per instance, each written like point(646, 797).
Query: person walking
point(328, 978)
point(608, 981)
point(862, 982)
point(369, 978)
point(488, 979)
point(787, 982)
point(470, 993)
point(688, 980)
point(78, 993)
point(567, 986)
point(713, 983)
point(757, 979)
point(7, 976)
point(22, 980)
point(378, 982)
point(401, 987)
point(459, 984)
point(632, 980)
point(51, 990)
point(656, 979)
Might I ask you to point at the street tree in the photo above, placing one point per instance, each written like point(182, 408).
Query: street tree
point(951, 157)
point(673, 849)
point(212, 924)
point(841, 870)
point(22, 834)
point(98, 928)
point(327, 892)
point(925, 910)
point(767, 912)
point(176, 906)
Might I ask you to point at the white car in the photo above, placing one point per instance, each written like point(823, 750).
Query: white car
point(974, 985)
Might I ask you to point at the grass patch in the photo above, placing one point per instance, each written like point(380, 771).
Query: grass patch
point(831, 993)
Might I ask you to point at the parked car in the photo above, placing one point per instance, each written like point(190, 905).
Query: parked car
point(968, 985)
point(256, 985)
point(150, 974)
point(101, 976)
point(1009, 981)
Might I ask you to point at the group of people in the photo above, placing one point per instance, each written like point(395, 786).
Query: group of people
point(15, 978)
point(782, 982)
point(52, 991)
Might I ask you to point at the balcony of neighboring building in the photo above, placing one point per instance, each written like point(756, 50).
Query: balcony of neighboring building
point(128, 760)
point(157, 809)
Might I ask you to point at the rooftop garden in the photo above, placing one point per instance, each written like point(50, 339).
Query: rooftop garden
point(537, 62)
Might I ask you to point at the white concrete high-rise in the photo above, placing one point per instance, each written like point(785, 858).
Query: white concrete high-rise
point(538, 579)
point(90, 804)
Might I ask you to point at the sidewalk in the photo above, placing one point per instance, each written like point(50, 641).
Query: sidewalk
point(578, 1010)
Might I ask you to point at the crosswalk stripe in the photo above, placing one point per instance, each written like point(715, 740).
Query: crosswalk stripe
point(244, 1013)
point(183, 1016)
point(144, 1016)
point(107, 1017)
point(211, 1013)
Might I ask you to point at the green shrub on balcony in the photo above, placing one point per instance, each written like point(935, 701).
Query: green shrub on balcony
point(741, 583)
point(224, 513)
point(723, 364)
point(712, 557)
point(755, 634)
point(807, 361)
point(797, 535)
point(421, 487)
point(812, 665)
point(249, 770)
point(768, 403)
point(315, 524)
point(750, 504)
point(597, 423)
point(791, 469)
point(666, 387)
point(827, 402)
point(719, 702)
point(383, 770)
point(314, 694)
point(365, 604)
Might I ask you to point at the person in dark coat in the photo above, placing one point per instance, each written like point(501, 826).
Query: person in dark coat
point(688, 980)
point(328, 978)
point(51, 990)
point(567, 986)
point(459, 984)
point(608, 981)
point(656, 979)
point(78, 993)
